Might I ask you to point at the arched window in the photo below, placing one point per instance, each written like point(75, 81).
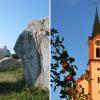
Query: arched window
point(97, 52)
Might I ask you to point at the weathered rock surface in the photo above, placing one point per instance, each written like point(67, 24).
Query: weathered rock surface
point(7, 63)
point(32, 47)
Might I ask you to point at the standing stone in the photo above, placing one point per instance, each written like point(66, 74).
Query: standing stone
point(43, 80)
point(32, 47)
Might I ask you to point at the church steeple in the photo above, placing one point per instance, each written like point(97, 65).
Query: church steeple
point(96, 27)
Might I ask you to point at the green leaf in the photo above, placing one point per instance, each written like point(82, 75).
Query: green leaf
point(55, 57)
point(62, 39)
point(71, 59)
point(75, 67)
point(62, 71)
point(55, 73)
point(57, 38)
point(54, 30)
point(54, 88)
point(57, 50)
point(63, 96)
point(52, 80)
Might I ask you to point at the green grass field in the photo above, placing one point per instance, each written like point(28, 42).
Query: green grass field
point(13, 87)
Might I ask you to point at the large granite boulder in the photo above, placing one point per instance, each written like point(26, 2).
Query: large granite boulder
point(8, 63)
point(32, 47)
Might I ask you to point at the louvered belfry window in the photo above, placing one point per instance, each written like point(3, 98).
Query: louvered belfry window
point(97, 52)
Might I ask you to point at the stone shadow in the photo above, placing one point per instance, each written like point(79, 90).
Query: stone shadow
point(8, 87)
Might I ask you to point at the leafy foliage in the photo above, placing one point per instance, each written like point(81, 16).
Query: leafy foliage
point(63, 70)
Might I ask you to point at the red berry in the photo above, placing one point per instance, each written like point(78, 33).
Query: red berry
point(69, 78)
point(65, 65)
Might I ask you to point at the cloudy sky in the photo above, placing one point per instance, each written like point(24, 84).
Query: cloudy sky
point(15, 16)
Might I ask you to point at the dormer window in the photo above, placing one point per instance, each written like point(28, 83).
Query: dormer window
point(97, 52)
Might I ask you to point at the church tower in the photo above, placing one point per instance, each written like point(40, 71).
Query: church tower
point(92, 86)
point(94, 60)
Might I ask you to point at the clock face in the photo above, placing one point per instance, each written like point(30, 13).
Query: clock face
point(97, 42)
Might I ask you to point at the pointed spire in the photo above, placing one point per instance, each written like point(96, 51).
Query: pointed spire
point(96, 27)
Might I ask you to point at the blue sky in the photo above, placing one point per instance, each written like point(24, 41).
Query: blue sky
point(15, 15)
point(74, 20)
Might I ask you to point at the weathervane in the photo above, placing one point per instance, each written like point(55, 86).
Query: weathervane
point(96, 3)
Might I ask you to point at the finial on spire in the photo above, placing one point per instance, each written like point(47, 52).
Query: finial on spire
point(96, 6)
point(96, 3)
point(96, 12)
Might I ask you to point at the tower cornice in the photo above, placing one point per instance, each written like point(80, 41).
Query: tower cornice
point(93, 60)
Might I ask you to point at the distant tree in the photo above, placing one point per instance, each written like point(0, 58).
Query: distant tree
point(15, 56)
point(7, 56)
point(63, 71)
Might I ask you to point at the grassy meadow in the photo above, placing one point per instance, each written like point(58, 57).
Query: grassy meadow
point(13, 87)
